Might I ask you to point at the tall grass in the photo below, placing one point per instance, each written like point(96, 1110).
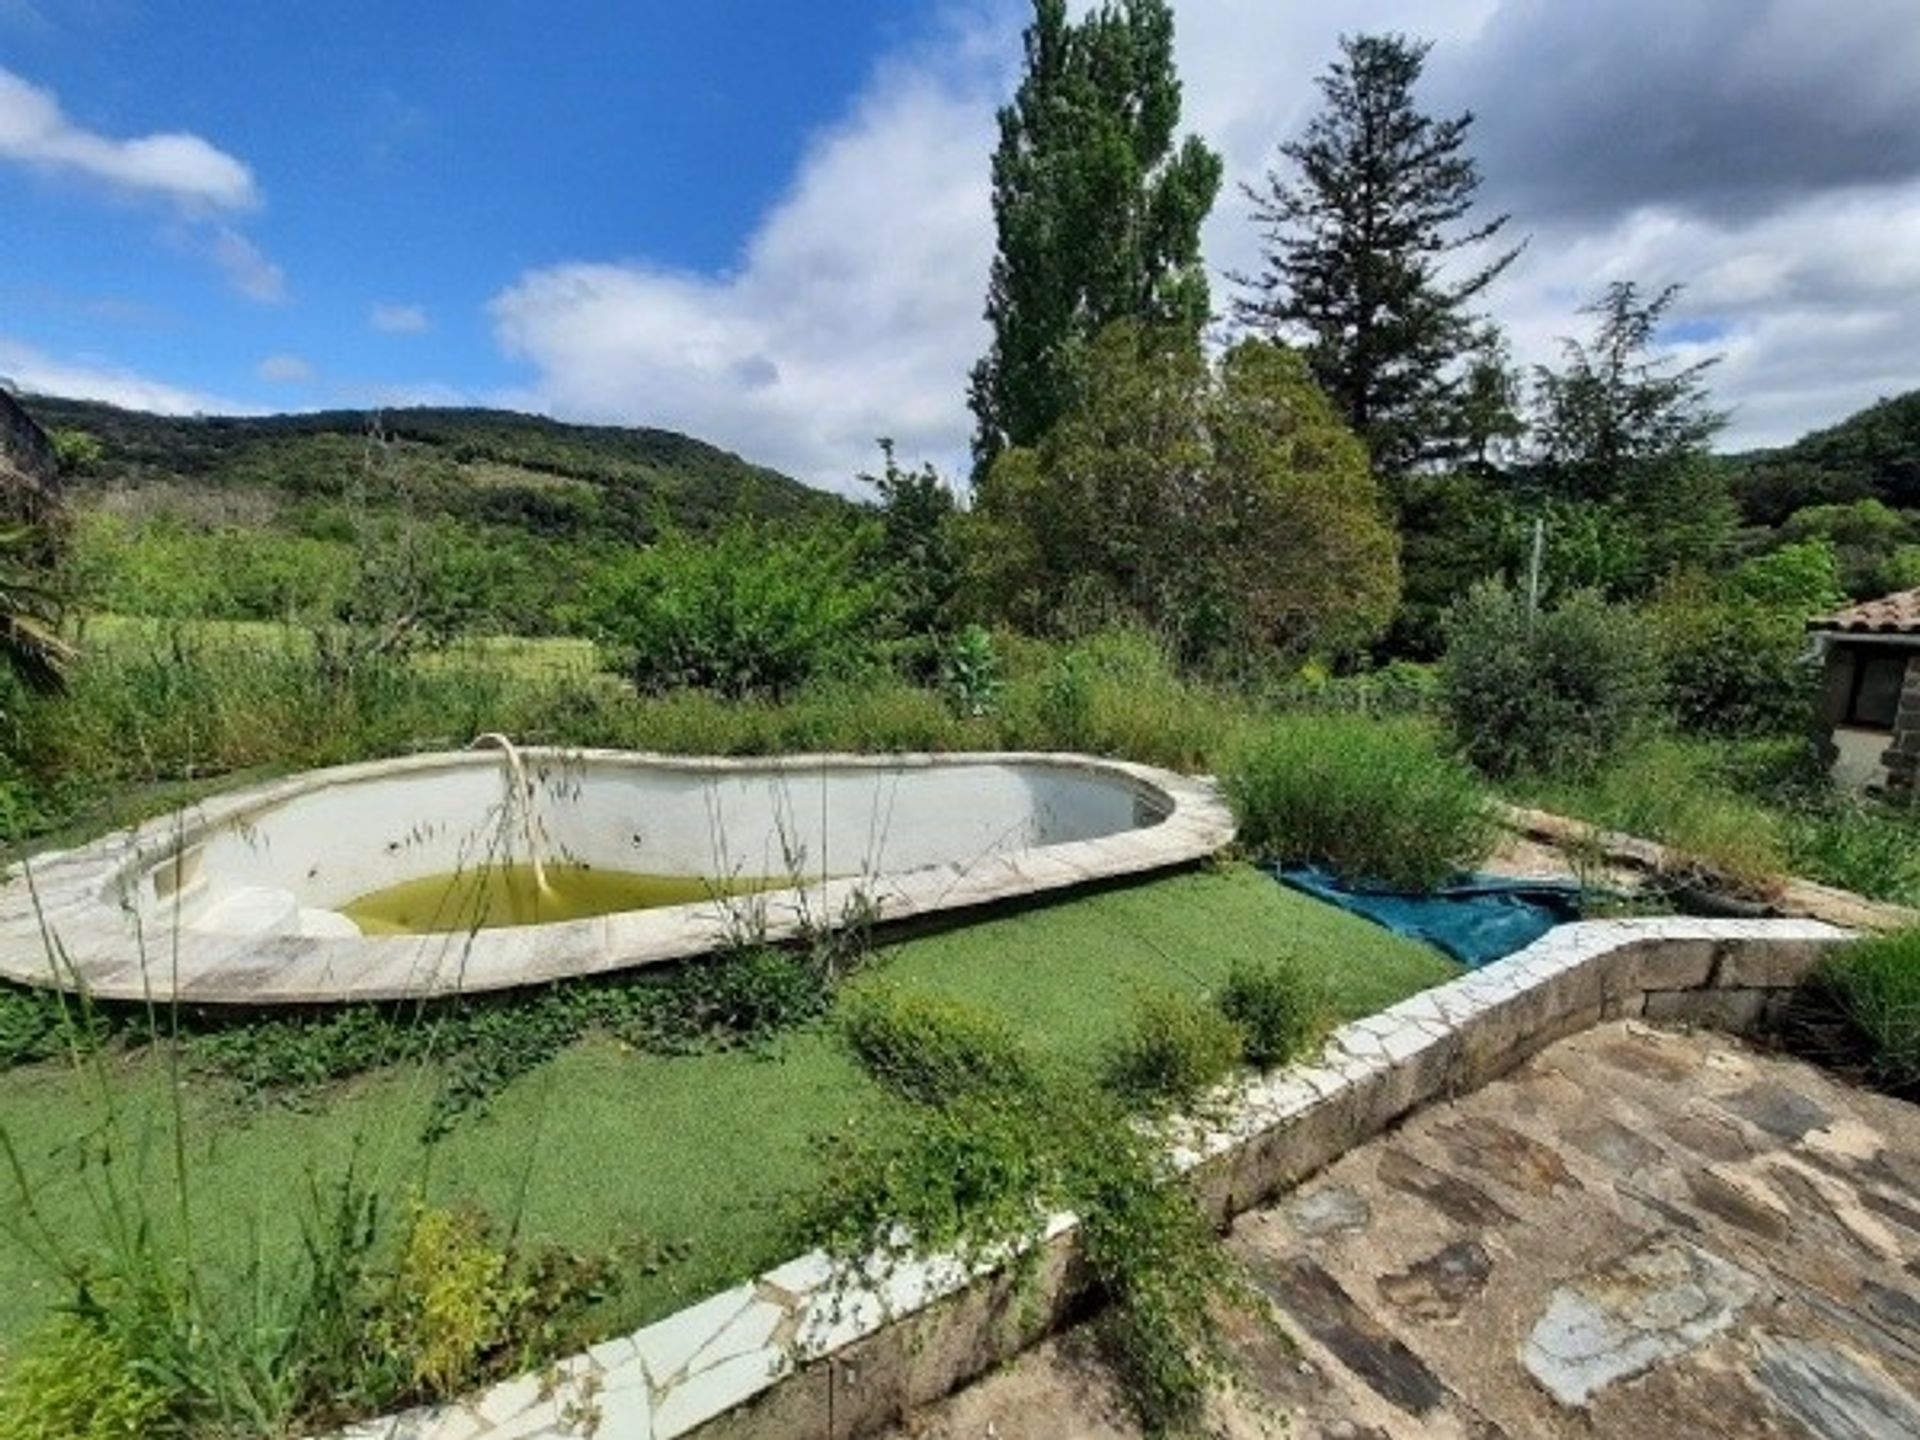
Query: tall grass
point(1875, 984)
point(161, 705)
point(1371, 800)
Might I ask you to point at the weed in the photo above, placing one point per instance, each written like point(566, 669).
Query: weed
point(74, 1381)
point(1280, 1014)
point(978, 1171)
point(1875, 984)
point(933, 1050)
point(1174, 1051)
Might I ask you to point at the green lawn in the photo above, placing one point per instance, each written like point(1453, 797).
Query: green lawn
point(694, 1153)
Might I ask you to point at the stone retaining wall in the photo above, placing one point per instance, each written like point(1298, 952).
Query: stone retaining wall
point(803, 1352)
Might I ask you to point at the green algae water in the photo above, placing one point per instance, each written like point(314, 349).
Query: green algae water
point(501, 895)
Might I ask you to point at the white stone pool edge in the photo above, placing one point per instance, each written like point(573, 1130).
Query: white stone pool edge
point(804, 1350)
point(70, 895)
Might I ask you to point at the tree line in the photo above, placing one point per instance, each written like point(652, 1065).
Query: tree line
point(1138, 451)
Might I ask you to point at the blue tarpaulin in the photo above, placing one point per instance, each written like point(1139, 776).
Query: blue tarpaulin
point(1476, 919)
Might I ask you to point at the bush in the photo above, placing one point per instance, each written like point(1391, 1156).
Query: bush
point(1556, 692)
point(451, 1303)
point(74, 1381)
point(1370, 800)
point(1174, 1050)
point(1279, 1012)
point(932, 1050)
point(1735, 653)
point(746, 613)
point(1876, 984)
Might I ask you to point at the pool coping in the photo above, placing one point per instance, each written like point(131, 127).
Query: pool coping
point(815, 1346)
point(69, 895)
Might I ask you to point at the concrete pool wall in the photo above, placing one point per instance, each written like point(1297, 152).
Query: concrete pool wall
point(236, 900)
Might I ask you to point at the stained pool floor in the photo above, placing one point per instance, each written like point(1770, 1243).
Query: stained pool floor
point(1638, 1233)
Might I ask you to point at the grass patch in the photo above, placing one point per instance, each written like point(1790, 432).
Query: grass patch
point(1678, 792)
point(677, 1161)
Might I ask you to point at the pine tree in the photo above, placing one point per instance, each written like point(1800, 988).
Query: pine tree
point(1096, 209)
point(1626, 433)
point(1354, 248)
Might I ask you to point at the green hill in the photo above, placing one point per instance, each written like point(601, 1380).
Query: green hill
point(510, 521)
point(485, 466)
point(1873, 454)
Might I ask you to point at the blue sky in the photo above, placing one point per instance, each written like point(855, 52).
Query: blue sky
point(768, 224)
point(412, 157)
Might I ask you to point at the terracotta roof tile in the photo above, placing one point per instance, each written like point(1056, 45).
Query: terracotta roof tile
point(1895, 614)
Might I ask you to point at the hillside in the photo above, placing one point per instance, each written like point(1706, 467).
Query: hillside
point(1874, 454)
point(479, 466)
point(503, 522)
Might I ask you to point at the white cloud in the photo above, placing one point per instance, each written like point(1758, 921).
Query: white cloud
point(855, 308)
point(855, 311)
point(398, 319)
point(179, 166)
point(285, 370)
point(32, 371)
point(246, 268)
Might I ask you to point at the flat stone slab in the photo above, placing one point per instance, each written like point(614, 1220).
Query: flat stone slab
point(1637, 1233)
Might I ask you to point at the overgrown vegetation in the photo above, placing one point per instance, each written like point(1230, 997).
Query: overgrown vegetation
point(1554, 691)
point(1242, 564)
point(981, 1165)
point(1875, 987)
point(1372, 800)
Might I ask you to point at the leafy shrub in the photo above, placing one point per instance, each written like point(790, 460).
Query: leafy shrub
point(1370, 800)
point(1876, 984)
point(1559, 691)
point(933, 1050)
point(1174, 1049)
point(1735, 653)
point(74, 1381)
point(970, 672)
point(1279, 1012)
point(747, 612)
point(451, 1302)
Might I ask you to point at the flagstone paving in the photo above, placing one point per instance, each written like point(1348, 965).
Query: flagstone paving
point(1637, 1233)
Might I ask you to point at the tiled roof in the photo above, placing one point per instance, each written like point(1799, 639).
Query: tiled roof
point(1895, 614)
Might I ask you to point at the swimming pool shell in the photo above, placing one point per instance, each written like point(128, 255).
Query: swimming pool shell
point(233, 901)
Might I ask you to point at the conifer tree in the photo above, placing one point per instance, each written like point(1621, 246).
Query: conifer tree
point(1355, 242)
point(1096, 208)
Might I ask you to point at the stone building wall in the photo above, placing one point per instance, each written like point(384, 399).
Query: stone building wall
point(1903, 755)
point(29, 475)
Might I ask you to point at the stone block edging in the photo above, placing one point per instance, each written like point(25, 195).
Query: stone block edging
point(1796, 897)
point(805, 1351)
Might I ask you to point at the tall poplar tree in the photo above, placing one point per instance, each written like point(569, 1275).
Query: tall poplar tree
point(1355, 241)
point(1096, 208)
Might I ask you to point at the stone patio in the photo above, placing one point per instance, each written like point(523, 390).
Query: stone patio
point(1639, 1232)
